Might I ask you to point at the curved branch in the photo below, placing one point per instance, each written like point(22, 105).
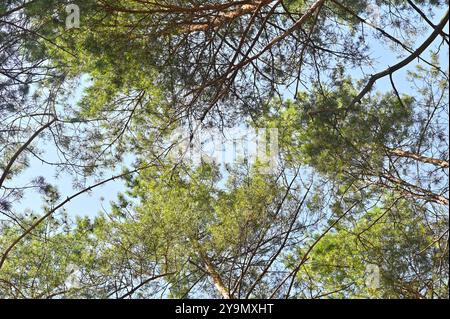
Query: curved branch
point(21, 150)
point(402, 63)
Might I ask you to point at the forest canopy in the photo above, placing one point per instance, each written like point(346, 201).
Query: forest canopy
point(330, 118)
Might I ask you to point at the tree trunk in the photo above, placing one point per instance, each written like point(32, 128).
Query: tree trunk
point(218, 283)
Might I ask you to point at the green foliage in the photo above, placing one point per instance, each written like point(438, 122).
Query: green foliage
point(391, 238)
point(319, 129)
point(184, 212)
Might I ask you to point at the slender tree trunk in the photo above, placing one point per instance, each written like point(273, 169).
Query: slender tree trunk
point(218, 282)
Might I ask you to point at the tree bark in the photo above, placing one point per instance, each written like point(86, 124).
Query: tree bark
point(218, 282)
point(225, 17)
point(418, 157)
